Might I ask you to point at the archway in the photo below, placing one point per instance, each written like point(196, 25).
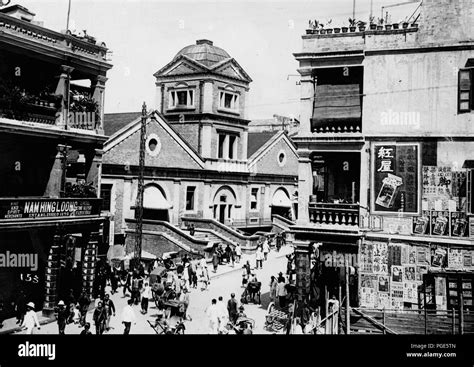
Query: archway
point(155, 204)
point(224, 203)
point(281, 204)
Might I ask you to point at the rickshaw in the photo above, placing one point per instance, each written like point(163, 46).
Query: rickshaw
point(251, 291)
point(241, 324)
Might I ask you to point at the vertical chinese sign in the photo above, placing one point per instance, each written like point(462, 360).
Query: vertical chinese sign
point(395, 178)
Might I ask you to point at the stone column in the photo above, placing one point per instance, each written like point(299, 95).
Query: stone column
point(62, 89)
point(206, 139)
point(52, 276)
point(306, 104)
point(57, 176)
point(207, 96)
point(94, 168)
point(305, 182)
point(225, 147)
point(98, 88)
point(178, 205)
point(244, 137)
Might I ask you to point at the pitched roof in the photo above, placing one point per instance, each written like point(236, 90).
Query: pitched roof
point(258, 140)
point(113, 122)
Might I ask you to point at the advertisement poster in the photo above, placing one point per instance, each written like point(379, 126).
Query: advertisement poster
point(439, 223)
point(394, 255)
point(410, 292)
point(438, 257)
point(383, 301)
point(421, 225)
point(440, 293)
point(423, 256)
point(396, 296)
point(458, 224)
point(467, 259)
point(412, 255)
point(366, 257)
point(367, 297)
point(396, 178)
point(368, 281)
point(455, 259)
point(383, 282)
point(399, 225)
point(397, 274)
point(380, 256)
point(420, 270)
point(405, 253)
point(409, 273)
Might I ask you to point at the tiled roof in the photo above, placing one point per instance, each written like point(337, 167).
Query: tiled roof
point(204, 52)
point(113, 122)
point(257, 140)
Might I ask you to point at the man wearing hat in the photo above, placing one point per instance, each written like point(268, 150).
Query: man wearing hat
point(63, 315)
point(31, 319)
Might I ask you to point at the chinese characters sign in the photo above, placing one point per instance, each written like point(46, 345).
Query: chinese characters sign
point(395, 178)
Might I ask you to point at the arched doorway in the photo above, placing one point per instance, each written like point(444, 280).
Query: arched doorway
point(282, 205)
point(155, 204)
point(224, 203)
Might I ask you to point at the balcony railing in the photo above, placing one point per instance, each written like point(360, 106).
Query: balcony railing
point(334, 214)
point(349, 127)
point(13, 26)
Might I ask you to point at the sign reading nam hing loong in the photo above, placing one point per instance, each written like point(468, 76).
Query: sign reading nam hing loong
point(48, 208)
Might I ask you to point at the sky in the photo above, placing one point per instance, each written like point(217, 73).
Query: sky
point(262, 35)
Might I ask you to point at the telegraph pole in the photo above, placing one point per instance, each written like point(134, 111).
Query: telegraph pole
point(139, 203)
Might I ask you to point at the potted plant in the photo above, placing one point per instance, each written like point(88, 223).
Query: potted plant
point(372, 26)
point(380, 24)
point(395, 25)
point(329, 30)
point(405, 25)
point(344, 29)
point(388, 27)
point(337, 30)
point(352, 24)
point(361, 25)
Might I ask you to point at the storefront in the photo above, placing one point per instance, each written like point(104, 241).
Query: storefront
point(48, 247)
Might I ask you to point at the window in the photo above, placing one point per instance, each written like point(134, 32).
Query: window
point(106, 196)
point(220, 154)
point(229, 101)
point(465, 99)
point(153, 145)
point(254, 199)
point(232, 146)
point(281, 158)
point(190, 193)
point(181, 98)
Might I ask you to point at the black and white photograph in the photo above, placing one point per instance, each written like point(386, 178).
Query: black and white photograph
point(237, 167)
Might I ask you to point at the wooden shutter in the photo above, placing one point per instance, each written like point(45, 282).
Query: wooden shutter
point(465, 102)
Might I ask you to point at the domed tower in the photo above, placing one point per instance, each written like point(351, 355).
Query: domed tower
point(202, 94)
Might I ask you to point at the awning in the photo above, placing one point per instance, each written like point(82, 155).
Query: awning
point(468, 163)
point(281, 199)
point(153, 199)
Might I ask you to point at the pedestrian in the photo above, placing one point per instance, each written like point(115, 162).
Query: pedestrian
point(238, 253)
point(126, 283)
point(259, 258)
point(215, 260)
point(76, 318)
point(128, 316)
point(135, 293)
point(204, 277)
point(191, 230)
point(84, 303)
point(62, 317)
point(273, 289)
point(184, 301)
point(20, 307)
point(99, 318)
point(246, 273)
point(114, 280)
point(146, 295)
point(212, 313)
point(109, 311)
point(192, 274)
point(223, 314)
point(186, 278)
point(86, 330)
point(232, 308)
point(281, 292)
point(265, 248)
point(30, 319)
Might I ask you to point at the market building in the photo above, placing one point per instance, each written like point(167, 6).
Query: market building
point(386, 161)
point(50, 222)
point(202, 165)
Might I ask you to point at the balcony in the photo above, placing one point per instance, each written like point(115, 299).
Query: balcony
point(334, 214)
point(11, 27)
point(226, 165)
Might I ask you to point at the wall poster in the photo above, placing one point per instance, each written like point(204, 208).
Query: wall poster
point(396, 172)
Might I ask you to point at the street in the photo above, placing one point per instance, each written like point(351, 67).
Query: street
point(220, 285)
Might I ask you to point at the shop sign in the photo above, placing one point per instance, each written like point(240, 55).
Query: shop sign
point(396, 178)
point(11, 209)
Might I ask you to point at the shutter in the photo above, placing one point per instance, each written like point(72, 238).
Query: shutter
point(465, 91)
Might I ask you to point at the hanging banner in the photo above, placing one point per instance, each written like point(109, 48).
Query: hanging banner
point(396, 174)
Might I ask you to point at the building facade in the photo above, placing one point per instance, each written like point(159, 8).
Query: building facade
point(385, 160)
point(201, 161)
point(50, 222)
